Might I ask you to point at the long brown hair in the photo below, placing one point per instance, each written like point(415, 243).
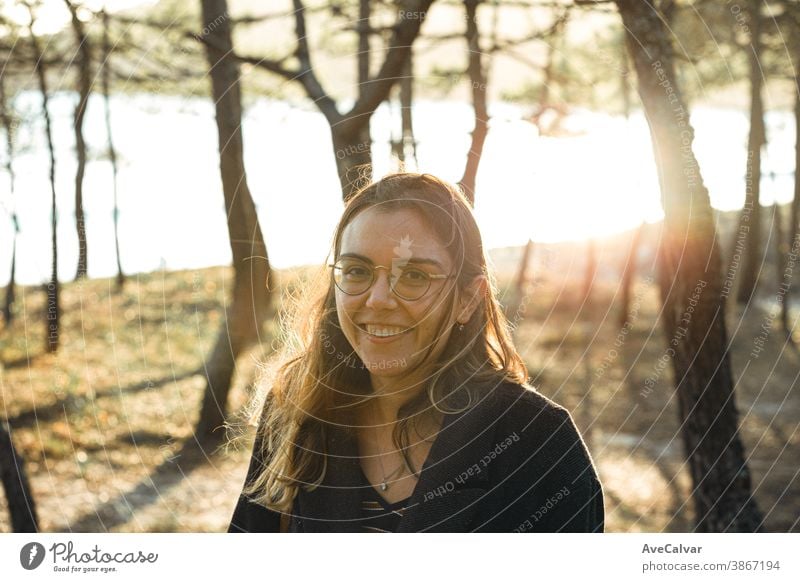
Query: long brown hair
point(321, 381)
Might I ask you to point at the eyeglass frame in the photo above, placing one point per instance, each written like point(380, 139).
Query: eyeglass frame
point(373, 278)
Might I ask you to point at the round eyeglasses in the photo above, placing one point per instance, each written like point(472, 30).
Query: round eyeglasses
point(354, 277)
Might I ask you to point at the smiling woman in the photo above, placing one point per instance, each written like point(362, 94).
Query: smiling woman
point(402, 404)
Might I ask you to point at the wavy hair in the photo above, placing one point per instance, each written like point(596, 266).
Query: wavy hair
point(319, 382)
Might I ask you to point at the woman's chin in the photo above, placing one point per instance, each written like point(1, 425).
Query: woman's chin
point(389, 367)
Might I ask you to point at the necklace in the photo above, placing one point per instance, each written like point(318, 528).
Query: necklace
point(384, 485)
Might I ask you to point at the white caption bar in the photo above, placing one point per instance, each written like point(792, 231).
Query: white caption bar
point(460, 557)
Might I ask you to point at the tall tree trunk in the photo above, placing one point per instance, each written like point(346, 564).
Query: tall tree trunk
point(781, 251)
point(360, 168)
point(591, 269)
point(751, 213)
point(84, 90)
point(690, 283)
point(522, 272)
point(6, 117)
point(8, 305)
point(17, 488)
point(478, 80)
point(628, 272)
point(624, 82)
point(353, 158)
point(794, 215)
point(112, 152)
point(363, 44)
point(409, 141)
point(406, 146)
point(53, 308)
point(249, 305)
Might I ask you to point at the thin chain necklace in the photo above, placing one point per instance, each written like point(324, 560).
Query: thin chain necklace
point(384, 485)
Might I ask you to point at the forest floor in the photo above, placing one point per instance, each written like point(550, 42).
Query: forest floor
point(105, 424)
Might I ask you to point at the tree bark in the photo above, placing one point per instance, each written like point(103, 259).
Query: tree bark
point(112, 152)
point(751, 212)
point(406, 146)
point(8, 126)
point(53, 306)
point(250, 301)
point(84, 62)
point(628, 272)
point(690, 283)
point(590, 272)
point(15, 483)
point(349, 131)
point(794, 228)
point(477, 78)
point(522, 272)
point(781, 250)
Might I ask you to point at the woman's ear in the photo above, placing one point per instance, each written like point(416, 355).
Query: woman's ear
point(472, 297)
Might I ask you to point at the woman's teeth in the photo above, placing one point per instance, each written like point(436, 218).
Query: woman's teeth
point(385, 330)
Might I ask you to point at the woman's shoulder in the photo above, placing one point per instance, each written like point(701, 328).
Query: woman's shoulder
point(522, 401)
point(537, 420)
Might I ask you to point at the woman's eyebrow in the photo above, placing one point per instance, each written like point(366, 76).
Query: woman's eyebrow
point(415, 260)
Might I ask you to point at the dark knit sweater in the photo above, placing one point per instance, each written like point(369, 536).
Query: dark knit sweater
point(514, 462)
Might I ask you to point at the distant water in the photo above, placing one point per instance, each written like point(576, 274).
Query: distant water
point(599, 180)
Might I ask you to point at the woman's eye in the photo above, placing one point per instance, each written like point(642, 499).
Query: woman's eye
point(356, 271)
point(414, 276)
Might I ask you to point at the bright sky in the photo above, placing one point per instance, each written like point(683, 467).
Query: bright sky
point(53, 15)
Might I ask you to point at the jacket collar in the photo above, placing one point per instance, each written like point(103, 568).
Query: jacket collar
point(445, 499)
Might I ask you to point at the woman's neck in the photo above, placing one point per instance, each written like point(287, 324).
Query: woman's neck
point(388, 397)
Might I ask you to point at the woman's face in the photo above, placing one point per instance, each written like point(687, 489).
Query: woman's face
point(392, 335)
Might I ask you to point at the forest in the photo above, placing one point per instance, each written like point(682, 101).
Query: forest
point(171, 174)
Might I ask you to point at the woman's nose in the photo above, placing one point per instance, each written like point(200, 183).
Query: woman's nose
point(380, 295)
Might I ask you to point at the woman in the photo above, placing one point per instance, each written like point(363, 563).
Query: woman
point(403, 405)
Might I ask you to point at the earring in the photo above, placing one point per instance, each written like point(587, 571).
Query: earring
point(460, 327)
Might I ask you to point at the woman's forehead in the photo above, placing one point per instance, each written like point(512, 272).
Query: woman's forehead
point(398, 233)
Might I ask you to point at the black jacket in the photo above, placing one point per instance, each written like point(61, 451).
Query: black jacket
point(513, 462)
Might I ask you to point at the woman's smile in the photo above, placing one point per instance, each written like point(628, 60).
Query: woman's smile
point(384, 332)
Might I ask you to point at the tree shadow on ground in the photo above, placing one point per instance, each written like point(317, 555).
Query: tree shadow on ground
point(51, 411)
point(171, 473)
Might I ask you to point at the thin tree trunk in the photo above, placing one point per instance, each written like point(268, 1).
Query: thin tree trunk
point(794, 217)
point(249, 305)
point(408, 142)
point(8, 306)
point(522, 272)
point(17, 488)
point(628, 272)
point(363, 44)
point(53, 309)
point(353, 158)
point(363, 163)
point(591, 269)
point(751, 212)
point(84, 91)
point(112, 152)
point(624, 82)
point(8, 126)
point(689, 277)
point(405, 146)
point(781, 251)
point(479, 82)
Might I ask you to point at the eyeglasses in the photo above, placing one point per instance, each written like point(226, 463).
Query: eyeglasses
point(354, 277)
